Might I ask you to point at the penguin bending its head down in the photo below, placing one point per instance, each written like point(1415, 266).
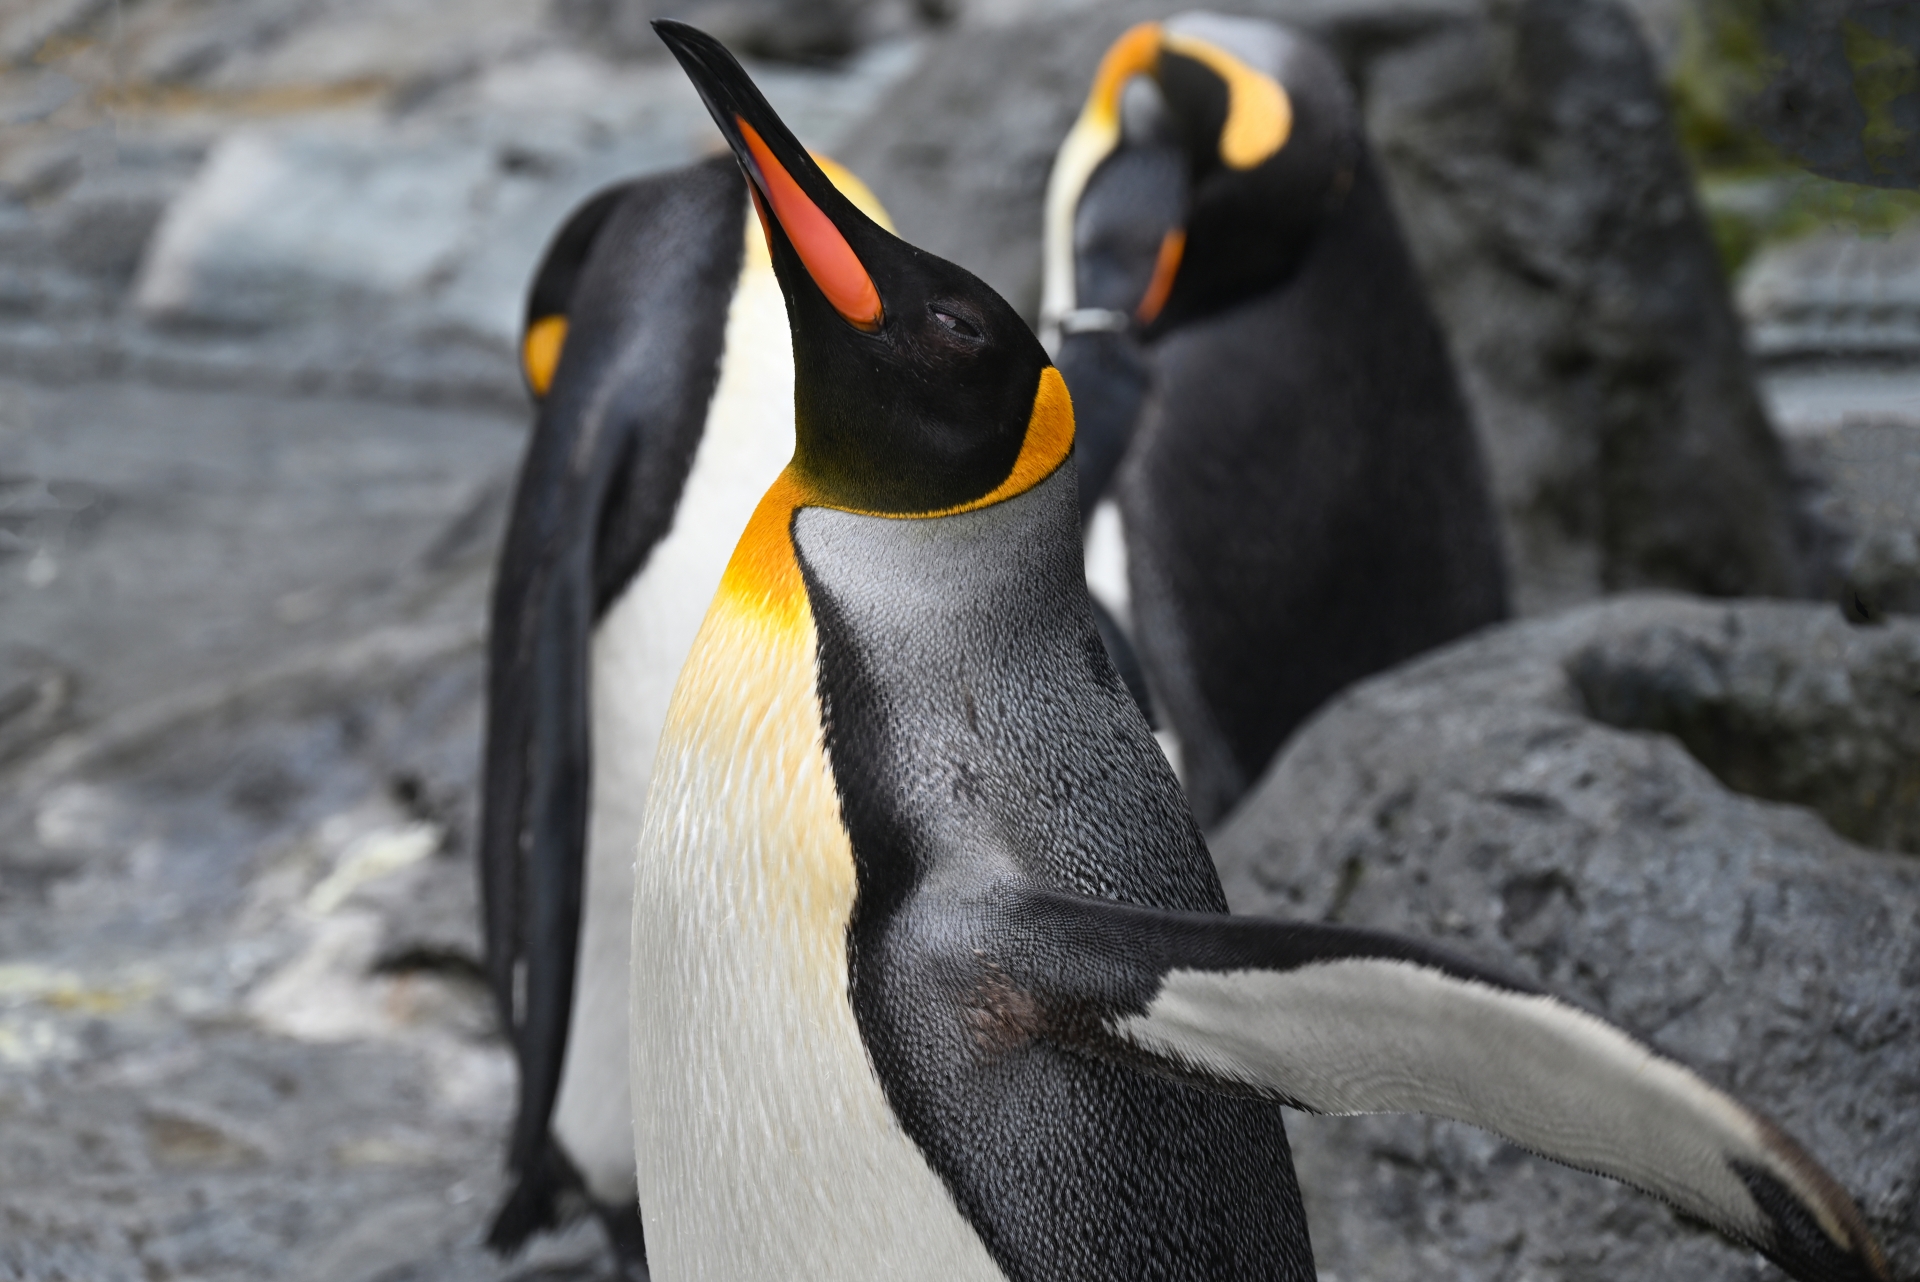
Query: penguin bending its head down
point(1304, 501)
point(932, 973)
point(656, 351)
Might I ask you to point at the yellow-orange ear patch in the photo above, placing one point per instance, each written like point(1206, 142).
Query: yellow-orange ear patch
point(829, 259)
point(540, 352)
point(1259, 113)
point(1133, 54)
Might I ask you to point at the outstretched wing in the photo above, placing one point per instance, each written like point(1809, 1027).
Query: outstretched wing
point(626, 321)
point(1337, 1020)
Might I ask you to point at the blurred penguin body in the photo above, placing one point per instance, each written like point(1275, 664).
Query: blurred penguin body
point(666, 408)
point(1304, 502)
point(1303, 498)
point(932, 973)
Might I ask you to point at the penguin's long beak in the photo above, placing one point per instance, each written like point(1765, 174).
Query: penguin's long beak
point(796, 201)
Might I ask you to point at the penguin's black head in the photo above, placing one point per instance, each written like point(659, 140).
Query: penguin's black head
point(917, 389)
point(1251, 137)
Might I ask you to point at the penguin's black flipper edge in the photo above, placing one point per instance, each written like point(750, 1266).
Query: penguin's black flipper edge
point(1338, 1020)
point(533, 851)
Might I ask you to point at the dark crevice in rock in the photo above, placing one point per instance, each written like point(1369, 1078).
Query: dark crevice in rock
point(1831, 723)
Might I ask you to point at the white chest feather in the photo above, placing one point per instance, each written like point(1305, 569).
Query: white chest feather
point(765, 1146)
point(638, 650)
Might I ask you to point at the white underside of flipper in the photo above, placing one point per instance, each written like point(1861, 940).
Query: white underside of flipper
point(1377, 1035)
point(638, 651)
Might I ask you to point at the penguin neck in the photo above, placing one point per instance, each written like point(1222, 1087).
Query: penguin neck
point(961, 677)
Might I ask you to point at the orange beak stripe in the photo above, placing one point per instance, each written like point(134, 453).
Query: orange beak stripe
point(829, 259)
point(1165, 267)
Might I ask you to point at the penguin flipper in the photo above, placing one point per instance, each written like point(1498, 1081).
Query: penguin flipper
point(533, 852)
point(1338, 1020)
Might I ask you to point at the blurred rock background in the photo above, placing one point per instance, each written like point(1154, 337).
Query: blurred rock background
point(260, 275)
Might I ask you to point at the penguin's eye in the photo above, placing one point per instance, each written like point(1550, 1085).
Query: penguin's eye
point(958, 325)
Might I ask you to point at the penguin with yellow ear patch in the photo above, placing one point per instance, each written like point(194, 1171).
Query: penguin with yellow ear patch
point(1303, 499)
point(656, 351)
point(932, 973)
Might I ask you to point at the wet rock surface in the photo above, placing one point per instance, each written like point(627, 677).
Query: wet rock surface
point(343, 197)
point(1472, 798)
point(242, 1033)
point(1853, 434)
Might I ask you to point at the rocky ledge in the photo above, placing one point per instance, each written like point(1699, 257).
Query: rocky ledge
point(1638, 804)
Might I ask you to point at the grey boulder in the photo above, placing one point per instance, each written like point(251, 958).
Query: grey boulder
point(1545, 195)
point(1486, 798)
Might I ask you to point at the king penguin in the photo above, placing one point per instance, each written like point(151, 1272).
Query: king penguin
point(932, 973)
point(656, 352)
point(1301, 497)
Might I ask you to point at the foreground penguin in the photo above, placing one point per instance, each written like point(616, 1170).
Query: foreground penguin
point(932, 977)
point(1304, 502)
point(656, 350)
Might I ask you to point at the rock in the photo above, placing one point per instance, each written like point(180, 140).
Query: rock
point(785, 30)
point(289, 225)
point(243, 974)
point(1473, 798)
point(1799, 708)
point(1534, 166)
point(1853, 430)
point(1833, 294)
point(345, 197)
point(35, 693)
point(27, 29)
point(242, 1030)
point(282, 53)
point(104, 225)
point(186, 540)
point(1840, 97)
point(1545, 195)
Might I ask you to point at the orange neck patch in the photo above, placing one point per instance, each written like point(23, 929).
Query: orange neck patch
point(764, 574)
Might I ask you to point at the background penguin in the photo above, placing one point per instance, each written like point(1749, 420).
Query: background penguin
point(656, 350)
point(1304, 500)
point(931, 973)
